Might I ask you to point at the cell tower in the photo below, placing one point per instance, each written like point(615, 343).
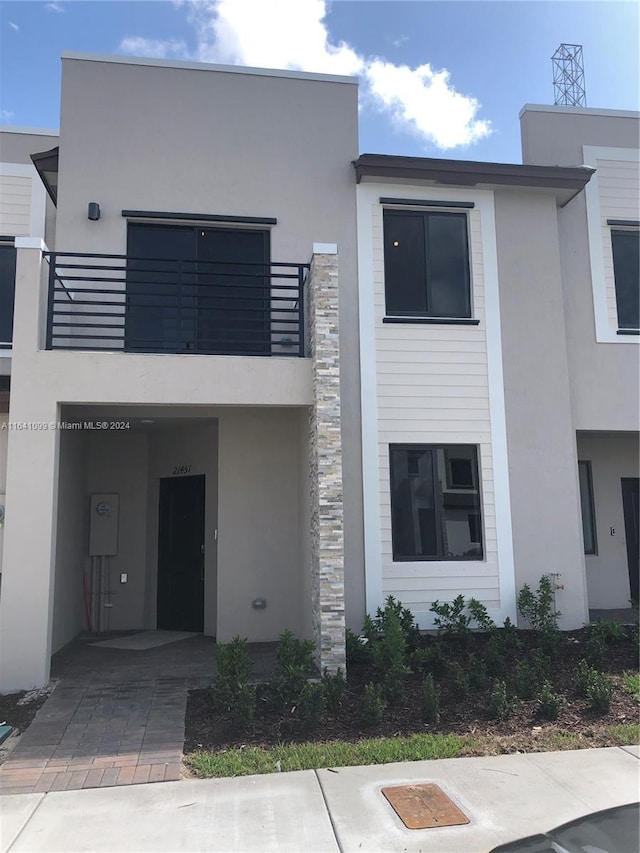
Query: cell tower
point(568, 76)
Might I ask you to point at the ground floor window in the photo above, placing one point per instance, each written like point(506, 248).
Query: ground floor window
point(587, 508)
point(435, 502)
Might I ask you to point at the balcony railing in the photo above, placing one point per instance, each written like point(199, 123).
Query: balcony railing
point(119, 302)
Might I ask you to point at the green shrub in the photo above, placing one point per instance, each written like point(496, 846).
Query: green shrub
point(550, 640)
point(583, 677)
point(389, 652)
point(294, 663)
point(527, 679)
point(494, 657)
point(542, 665)
point(312, 703)
point(375, 628)
point(608, 630)
point(451, 619)
point(507, 638)
point(430, 659)
point(595, 650)
point(430, 701)
point(538, 607)
point(460, 685)
point(550, 702)
point(631, 684)
point(478, 678)
point(232, 692)
point(357, 650)
point(480, 616)
point(334, 687)
point(499, 705)
point(600, 693)
point(372, 705)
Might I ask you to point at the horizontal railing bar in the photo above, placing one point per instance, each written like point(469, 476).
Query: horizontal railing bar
point(170, 351)
point(265, 264)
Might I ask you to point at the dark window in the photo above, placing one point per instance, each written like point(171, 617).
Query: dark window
point(435, 517)
point(426, 264)
point(587, 508)
point(626, 270)
point(7, 293)
point(197, 289)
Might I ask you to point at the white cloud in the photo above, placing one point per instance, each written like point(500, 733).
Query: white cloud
point(292, 34)
point(14, 26)
point(54, 7)
point(424, 101)
point(6, 115)
point(155, 48)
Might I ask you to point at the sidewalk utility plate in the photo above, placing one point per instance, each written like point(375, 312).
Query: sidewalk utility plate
point(423, 806)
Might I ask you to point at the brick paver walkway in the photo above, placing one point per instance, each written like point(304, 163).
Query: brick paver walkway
point(115, 718)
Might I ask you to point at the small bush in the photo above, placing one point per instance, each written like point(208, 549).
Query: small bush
point(608, 630)
point(294, 663)
point(372, 705)
point(451, 619)
point(550, 642)
point(507, 637)
point(550, 702)
point(334, 687)
point(527, 679)
point(393, 610)
point(595, 650)
point(243, 711)
point(357, 650)
point(460, 685)
point(234, 668)
point(430, 701)
point(431, 659)
point(312, 703)
point(631, 684)
point(583, 677)
point(541, 664)
point(600, 694)
point(494, 657)
point(480, 616)
point(389, 651)
point(499, 705)
point(478, 678)
point(538, 607)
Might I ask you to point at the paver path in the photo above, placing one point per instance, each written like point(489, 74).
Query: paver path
point(116, 717)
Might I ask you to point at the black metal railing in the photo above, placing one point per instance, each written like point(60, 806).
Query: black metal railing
point(118, 302)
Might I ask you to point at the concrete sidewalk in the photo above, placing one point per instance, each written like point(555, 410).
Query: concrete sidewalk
point(504, 797)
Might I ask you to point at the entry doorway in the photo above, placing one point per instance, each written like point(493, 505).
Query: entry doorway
point(631, 510)
point(181, 554)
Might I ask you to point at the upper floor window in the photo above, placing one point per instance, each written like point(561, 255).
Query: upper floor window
point(7, 292)
point(625, 244)
point(426, 264)
point(435, 502)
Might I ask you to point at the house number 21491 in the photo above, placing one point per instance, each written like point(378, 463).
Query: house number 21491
point(182, 469)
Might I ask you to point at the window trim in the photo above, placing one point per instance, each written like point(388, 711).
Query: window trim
point(439, 558)
point(409, 208)
point(591, 505)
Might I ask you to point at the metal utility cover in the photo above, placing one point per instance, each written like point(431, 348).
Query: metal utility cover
point(423, 806)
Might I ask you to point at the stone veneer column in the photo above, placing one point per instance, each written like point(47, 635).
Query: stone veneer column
point(325, 450)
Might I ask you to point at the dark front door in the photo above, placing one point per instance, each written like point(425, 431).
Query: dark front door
point(181, 554)
point(631, 509)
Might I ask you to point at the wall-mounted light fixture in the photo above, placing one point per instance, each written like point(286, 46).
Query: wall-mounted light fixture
point(93, 213)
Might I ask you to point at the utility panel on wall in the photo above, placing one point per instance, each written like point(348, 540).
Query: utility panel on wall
point(103, 525)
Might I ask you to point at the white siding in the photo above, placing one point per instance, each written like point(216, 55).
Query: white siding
point(15, 206)
point(432, 387)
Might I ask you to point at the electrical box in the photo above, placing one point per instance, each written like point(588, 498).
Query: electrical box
point(103, 525)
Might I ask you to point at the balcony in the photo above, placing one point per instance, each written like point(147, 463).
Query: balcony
point(151, 305)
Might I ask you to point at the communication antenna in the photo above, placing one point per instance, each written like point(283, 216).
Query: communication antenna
point(568, 76)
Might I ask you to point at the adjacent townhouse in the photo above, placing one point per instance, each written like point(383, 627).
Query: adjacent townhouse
point(260, 381)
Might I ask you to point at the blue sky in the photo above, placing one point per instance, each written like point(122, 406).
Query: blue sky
point(437, 78)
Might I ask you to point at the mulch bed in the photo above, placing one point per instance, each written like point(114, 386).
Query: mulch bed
point(208, 730)
point(19, 709)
